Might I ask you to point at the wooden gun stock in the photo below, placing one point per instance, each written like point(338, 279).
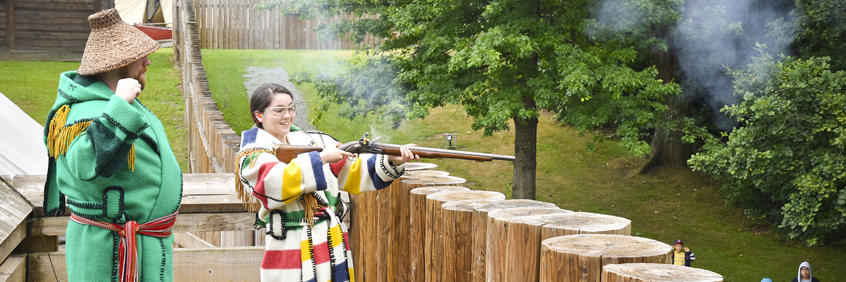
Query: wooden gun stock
point(286, 153)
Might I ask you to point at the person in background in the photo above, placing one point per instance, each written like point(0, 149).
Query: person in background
point(805, 273)
point(298, 201)
point(680, 255)
point(110, 156)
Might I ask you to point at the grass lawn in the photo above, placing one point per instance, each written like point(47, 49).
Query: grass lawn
point(226, 70)
point(664, 205)
point(33, 85)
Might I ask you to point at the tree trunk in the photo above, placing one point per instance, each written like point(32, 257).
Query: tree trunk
point(667, 147)
point(525, 153)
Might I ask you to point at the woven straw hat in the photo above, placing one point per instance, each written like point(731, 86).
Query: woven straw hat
point(113, 44)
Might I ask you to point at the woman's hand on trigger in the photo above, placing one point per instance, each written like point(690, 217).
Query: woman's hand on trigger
point(333, 155)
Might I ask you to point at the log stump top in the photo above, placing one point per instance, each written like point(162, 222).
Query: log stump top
point(512, 213)
point(606, 245)
point(415, 166)
point(584, 222)
point(452, 196)
point(507, 204)
point(423, 173)
point(659, 272)
point(437, 189)
point(444, 180)
point(467, 205)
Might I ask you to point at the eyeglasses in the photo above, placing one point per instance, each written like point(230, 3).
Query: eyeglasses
point(280, 111)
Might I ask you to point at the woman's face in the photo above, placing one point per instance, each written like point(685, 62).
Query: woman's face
point(278, 116)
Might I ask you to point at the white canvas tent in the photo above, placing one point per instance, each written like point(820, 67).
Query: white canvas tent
point(22, 150)
point(136, 11)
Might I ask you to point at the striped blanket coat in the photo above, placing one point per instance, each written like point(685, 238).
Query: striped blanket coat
point(296, 250)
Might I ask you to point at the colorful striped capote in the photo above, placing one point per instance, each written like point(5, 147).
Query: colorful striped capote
point(298, 250)
point(128, 248)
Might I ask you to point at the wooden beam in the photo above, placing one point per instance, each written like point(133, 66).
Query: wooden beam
point(55, 226)
point(13, 269)
point(14, 237)
point(10, 24)
point(188, 240)
point(13, 213)
point(38, 244)
point(218, 264)
point(201, 192)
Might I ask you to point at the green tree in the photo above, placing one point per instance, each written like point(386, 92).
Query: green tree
point(503, 60)
point(822, 30)
point(785, 163)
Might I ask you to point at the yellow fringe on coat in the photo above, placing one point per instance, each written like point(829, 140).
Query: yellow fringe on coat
point(60, 135)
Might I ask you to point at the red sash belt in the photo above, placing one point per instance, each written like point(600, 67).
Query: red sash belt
point(128, 264)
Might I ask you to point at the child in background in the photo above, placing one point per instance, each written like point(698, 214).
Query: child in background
point(680, 255)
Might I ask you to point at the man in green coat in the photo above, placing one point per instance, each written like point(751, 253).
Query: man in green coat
point(110, 157)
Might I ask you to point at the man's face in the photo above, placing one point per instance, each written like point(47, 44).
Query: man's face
point(806, 274)
point(137, 71)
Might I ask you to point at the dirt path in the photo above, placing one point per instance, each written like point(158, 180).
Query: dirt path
point(260, 75)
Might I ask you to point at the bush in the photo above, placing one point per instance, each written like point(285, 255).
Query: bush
point(785, 162)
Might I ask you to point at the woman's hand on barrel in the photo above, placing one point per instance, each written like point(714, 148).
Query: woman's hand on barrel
point(333, 155)
point(405, 155)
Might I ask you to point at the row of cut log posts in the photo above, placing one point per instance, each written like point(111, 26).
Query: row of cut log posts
point(450, 244)
point(377, 221)
point(480, 230)
point(513, 243)
point(437, 230)
point(582, 257)
point(654, 272)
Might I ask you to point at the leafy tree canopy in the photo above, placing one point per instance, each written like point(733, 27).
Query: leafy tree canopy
point(785, 163)
point(501, 60)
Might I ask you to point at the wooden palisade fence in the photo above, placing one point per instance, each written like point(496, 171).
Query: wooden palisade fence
point(49, 30)
point(235, 24)
point(462, 235)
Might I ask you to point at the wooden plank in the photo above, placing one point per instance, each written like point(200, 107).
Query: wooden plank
point(11, 241)
point(47, 2)
point(39, 244)
point(10, 24)
point(201, 193)
point(218, 264)
point(55, 226)
point(13, 213)
point(13, 269)
point(188, 240)
point(47, 15)
point(50, 34)
point(87, 6)
point(24, 27)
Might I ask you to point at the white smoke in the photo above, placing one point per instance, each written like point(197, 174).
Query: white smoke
point(709, 36)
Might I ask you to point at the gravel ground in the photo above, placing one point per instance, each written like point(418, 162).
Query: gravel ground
point(257, 76)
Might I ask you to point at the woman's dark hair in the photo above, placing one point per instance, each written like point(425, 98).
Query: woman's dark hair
point(263, 95)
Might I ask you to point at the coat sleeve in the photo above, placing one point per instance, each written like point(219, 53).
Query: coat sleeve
point(276, 184)
point(367, 173)
point(104, 147)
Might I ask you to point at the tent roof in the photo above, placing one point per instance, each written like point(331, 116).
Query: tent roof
point(22, 150)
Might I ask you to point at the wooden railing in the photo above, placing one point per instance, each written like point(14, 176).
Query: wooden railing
point(209, 204)
point(212, 144)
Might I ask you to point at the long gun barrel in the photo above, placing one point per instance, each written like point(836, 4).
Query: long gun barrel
point(286, 153)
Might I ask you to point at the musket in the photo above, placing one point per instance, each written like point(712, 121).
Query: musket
point(286, 153)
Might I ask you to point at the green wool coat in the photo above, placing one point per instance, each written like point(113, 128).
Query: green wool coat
point(113, 162)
